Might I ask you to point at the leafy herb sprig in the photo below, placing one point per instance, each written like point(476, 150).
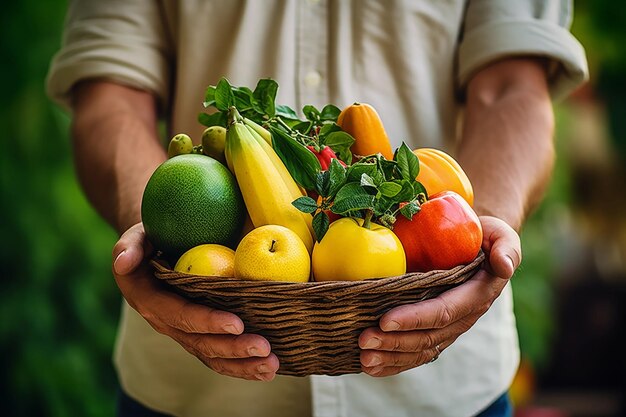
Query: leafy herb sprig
point(319, 127)
point(372, 188)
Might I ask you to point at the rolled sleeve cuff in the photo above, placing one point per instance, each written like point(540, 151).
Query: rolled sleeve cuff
point(126, 63)
point(502, 39)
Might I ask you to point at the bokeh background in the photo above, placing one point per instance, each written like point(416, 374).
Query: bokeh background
point(59, 304)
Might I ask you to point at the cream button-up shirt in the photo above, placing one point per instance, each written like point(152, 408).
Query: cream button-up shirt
point(411, 60)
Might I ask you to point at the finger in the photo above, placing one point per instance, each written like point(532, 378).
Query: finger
point(502, 245)
point(380, 371)
point(263, 369)
point(129, 251)
point(470, 299)
point(377, 358)
point(189, 317)
point(162, 308)
point(223, 346)
point(374, 338)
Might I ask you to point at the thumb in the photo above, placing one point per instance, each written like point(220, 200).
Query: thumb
point(128, 252)
point(502, 246)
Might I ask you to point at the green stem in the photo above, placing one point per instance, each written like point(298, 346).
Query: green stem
point(303, 139)
point(367, 222)
point(283, 124)
point(233, 116)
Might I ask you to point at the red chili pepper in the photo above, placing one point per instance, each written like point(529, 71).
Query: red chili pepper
point(325, 155)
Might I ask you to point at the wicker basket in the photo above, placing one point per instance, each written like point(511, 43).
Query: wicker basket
point(313, 327)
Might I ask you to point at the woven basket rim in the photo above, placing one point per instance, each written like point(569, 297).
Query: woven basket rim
point(389, 283)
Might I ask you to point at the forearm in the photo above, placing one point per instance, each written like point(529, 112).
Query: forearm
point(116, 148)
point(507, 148)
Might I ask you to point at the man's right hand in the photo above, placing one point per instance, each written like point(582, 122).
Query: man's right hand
point(213, 336)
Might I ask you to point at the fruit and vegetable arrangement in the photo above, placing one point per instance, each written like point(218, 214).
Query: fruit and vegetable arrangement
point(272, 196)
point(307, 228)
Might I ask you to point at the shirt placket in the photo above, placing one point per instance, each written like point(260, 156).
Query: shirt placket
point(328, 396)
point(312, 88)
point(312, 55)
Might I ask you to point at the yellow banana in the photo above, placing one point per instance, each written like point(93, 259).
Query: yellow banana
point(278, 163)
point(265, 138)
point(295, 190)
point(260, 130)
point(228, 163)
point(268, 198)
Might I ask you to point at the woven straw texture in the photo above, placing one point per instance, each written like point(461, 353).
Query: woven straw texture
point(314, 327)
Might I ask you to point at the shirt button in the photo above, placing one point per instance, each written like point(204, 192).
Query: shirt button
point(312, 79)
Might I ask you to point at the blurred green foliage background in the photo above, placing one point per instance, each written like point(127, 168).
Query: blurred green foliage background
point(58, 302)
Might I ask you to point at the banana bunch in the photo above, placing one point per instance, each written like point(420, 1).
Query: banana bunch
point(266, 185)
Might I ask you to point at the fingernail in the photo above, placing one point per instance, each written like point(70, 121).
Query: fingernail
point(263, 368)
point(391, 326)
point(116, 266)
point(264, 377)
point(375, 361)
point(253, 351)
point(511, 264)
point(373, 343)
point(230, 328)
point(375, 371)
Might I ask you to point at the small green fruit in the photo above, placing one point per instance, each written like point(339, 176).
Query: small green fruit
point(213, 143)
point(180, 144)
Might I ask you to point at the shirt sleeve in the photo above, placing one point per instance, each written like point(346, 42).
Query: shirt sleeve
point(495, 29)
point(122, 40)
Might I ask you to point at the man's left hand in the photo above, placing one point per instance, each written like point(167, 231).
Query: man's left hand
point(412, 335)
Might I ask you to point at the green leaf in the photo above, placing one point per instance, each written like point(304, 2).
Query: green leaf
point(330, 112)
point(407, 192)
point(418, 188)
point(305, 204)
point(345, 155)
point(328, 128)
point(354, 203)
point(339, 140)
point(243, 98)
point(311, 113)
point(300, 162)
point(410, 209)
point(209, 96)
point(408, 163)
point(320, 225)
point(286, 112)
point(215, 119)
point(265, 94)
point(352, 197)
point(322, 183)
point(389, 189)
point(291, 122)
point(355, 171)
point(303, 127)
point(337, 175)
point(383, 205)
point(243, 91)
point(351, 189)
point(388, 167)
point(367, 181)
point(224, 97)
